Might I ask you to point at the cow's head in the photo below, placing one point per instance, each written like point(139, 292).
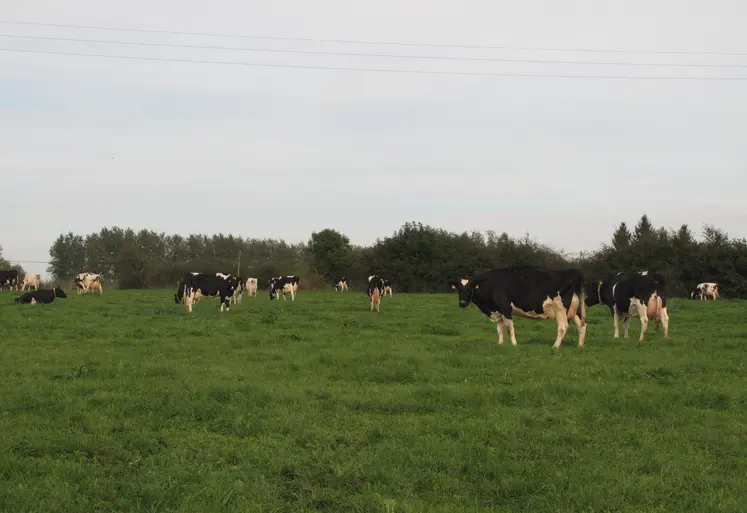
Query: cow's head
point(466, 288)
point(58, 292)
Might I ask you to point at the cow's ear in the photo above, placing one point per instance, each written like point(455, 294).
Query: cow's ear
point(476, 284)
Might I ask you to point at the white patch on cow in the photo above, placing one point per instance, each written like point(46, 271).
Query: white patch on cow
point(464, 282)
point(643, 273)
point(33, 301)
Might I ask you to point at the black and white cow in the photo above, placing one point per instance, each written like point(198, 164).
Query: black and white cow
point(87, 281)
point(283, 285)
point(375, 291)
point(341, 284)
point(236, 298)
point(631, 294)
point(703, 290)
point(192, 287)
point(387, 288)
point(42, 296)
point(529, 292)
point(9, 277)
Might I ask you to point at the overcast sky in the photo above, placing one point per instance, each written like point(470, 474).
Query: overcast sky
point(278, 152)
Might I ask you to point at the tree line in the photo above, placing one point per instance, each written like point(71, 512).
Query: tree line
point(416, 257)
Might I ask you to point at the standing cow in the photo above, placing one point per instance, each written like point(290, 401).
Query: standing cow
point(251, 287)
point(84, 282)
point(341, 284)
point(529, 292)
point(192, 287)
point(9, 277)
point(632, 294)
point(31, 280)
point(375, 291)
point(703, 290)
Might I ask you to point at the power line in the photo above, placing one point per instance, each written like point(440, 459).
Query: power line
point(358, 54)
point(364, 42)
point(377, 70)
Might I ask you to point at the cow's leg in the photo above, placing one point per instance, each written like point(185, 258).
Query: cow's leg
point(188, 300)
point(643, 315)
point(581, 327)
point(500, 327)
point(561, 317)
point(616, 321)
point(293, 295)
point(509, 322)
point(664, 319)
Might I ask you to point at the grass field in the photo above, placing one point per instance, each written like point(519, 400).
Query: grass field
point(126, 403)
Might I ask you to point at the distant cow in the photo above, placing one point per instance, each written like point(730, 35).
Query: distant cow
point(40, 296)
point(83, 282)
point(387, 288)
point(631, 294)
point(283, 285)
point(341, 284)
point(375, 291)
point(529, 292)
point(9, 277)
point(32, 280)
point(703, 290)
point(192, 287)
point(251, 286)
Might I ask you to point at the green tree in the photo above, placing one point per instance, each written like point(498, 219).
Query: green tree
point(331, 253)
point(67, 256)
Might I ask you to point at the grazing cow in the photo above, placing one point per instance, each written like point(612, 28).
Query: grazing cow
point(630, 294)
point(251, 286)
point(83, 282)
point(375, 291)
point(283, 285)
point(192, 287)
point(9, 277)
point(32, 280)
point(387, 288)
point(341, 284)
point(703, 290)
point(530, 292)
point(41, 296)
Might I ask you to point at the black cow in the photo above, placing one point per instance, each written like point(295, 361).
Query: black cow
point(283, 285)
point(9, 277)
point(41, 296)
point(641, 294)
point(375, 291)
point(530, 292)
point(192, 287)
point(341, 284)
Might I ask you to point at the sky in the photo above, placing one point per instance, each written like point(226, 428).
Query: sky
point(184, 147)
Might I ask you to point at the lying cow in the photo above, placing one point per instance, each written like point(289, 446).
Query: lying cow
point(41, 296)
point(530, 292)
point(192, 287)
point(31, 280)
point(703, 290)
point(629, 294)
point(375, 291)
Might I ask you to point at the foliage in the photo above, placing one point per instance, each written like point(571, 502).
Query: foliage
point(416, 257)
point(123, 402)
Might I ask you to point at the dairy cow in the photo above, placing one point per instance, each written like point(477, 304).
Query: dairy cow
point(529, 292)
point(375, 291)
point(9, 277)
point(251, 286)
point(283, 285)
point(341, 284)
point(83, 282)
point(387, 288)
point(703, 290)
point(236, 298)
point(631, 294)
point(192, 287)
point(31, 280)
point(40, 296)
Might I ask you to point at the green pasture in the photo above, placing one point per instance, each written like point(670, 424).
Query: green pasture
point(124, 402)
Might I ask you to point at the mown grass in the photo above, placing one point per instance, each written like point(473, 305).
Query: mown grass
point(126, 403)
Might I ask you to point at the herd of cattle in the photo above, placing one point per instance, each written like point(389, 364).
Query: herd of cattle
point(523, 291)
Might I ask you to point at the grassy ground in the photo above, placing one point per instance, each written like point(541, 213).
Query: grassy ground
point(127, 403)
